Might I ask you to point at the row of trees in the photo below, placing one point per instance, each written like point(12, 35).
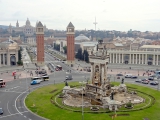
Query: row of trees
point(65, 49)
point(57, 47)
point(19, 62)
point(82, 55)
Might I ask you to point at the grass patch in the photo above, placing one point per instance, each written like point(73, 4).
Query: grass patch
point(39, 102)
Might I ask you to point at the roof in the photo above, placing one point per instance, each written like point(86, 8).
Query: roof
point(89, 43)
point(39, 24)
point(3, 46)
point(118, 44)
point(150, 46)
point(82, 37)
point(70, 25)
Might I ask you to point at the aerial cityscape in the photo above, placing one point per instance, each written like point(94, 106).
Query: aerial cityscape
point(84, 60)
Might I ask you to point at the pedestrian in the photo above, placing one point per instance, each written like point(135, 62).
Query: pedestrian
point(111, 70)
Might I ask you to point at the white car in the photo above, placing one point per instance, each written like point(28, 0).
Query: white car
point(128, 75)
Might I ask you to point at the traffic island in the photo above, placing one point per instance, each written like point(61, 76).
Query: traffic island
point(45, 105)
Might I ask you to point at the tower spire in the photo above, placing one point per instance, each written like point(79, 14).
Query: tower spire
point(95, 23)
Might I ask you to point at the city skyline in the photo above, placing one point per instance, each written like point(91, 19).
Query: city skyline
point(110, 15)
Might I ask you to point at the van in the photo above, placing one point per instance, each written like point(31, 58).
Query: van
point(128, 75)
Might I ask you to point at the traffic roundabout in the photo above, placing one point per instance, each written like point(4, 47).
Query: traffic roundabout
point(47, 102)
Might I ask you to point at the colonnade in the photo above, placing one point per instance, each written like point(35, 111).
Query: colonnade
point(134, 58)
point(5, 58)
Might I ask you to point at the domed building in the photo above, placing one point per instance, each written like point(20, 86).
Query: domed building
point(81, 38)
point(27, 29)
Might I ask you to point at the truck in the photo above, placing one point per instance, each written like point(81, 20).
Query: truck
point(2, 83)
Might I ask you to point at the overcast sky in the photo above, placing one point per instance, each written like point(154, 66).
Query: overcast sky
point(143, 15)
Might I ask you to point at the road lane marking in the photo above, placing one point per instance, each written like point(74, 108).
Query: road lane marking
point(12, 88)
point(13, 114)
point(7, 108)
point(10, 91)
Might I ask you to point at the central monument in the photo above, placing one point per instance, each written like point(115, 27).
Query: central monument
point(99, 92)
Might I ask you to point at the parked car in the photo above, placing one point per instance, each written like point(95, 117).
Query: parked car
point(119, 74)
point(154, 83)
point(1, 111)
point(138, 80)
point(34, 82)
point(133, 77)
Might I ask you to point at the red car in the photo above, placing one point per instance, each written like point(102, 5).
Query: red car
point(145, 81)
point(57, 69)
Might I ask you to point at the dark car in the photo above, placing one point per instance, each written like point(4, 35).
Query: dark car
point(119, 74)
point(134, 77)
point(151, 78)
point(154, 83)
point(1, 111)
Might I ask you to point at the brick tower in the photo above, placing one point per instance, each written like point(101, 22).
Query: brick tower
point(70, 44)
point(40, 44)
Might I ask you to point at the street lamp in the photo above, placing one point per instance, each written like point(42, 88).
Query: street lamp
point(82, 98)
point(158, 82)
point(26, 79)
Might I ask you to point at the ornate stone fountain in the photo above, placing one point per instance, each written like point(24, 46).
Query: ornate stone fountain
point(99, 91)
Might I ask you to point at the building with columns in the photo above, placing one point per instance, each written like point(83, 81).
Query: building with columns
point(70, 44)
point(146, 55)
point(8, 53)
point(40, 44)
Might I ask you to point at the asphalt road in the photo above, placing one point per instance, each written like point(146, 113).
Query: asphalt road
point(12, 96)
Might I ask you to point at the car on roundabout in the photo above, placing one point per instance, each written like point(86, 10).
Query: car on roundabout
point(119, 74)
point(145, 81)
point(1, 111)
point(151, 78)
point(128, 75)
point(138, 80)
point(134, 77)
point(34, 82)
point(154, 83)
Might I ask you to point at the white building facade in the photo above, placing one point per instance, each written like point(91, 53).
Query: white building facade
point(146, 55)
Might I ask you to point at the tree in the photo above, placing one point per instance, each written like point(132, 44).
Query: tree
point(19, 54)
point(85, 56)
point(65, 49)
point(79, 54)
point(56, 46)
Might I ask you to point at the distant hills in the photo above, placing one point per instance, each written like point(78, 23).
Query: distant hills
point(3, 26)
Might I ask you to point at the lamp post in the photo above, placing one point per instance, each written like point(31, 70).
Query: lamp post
point(26, 80)
point(82, 98)
point(158, 83)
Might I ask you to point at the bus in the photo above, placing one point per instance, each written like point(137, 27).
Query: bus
point(45, 78)
point(58, 68)
point(36, 78)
